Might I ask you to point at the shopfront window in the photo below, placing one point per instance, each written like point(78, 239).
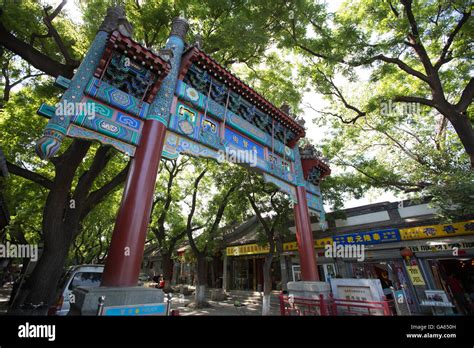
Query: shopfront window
point(240, 274)
point(391, 275)
point(456, 278)
point(296, 273)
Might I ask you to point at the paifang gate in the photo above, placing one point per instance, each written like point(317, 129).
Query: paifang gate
point(177, 101)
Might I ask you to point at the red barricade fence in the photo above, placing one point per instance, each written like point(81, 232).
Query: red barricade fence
point(290, 305)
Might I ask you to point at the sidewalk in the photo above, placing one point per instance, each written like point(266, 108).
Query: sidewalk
point(180, 302)
point(218, 308)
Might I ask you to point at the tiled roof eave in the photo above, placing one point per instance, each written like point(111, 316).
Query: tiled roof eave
point(194, 54)
point(142, 53)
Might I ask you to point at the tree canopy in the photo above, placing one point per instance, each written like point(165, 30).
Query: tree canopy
point(398, 79)
point(397, 76)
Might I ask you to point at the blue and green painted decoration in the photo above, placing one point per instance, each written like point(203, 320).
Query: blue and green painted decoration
point(114, 83)
point(203, 113)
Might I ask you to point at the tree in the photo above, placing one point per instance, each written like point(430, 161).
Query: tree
point(168, 222)
point(27, 30)
point(421, 51)
point(93, 239)
point(419, 156)
point(72, 185)
point(224, 180)
point(12, 70)
point(233, 32)
point(72, 188)
point(273, 210)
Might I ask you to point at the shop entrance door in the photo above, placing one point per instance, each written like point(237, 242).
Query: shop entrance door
point(456, 278)
point(391, 274)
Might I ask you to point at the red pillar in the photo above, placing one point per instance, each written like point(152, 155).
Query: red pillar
point(124, 259)
point(128, 240)
point(304, 237)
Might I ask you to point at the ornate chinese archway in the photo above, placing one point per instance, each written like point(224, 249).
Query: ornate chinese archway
point(178, 101)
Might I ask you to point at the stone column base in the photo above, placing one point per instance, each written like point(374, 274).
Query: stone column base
point(305, 289)
point(86, 300)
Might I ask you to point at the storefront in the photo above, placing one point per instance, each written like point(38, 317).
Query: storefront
point(384, 261)
point(451, 273)
point(327, 267)
point(417, 260)
point(246, 273)
point(445, 254)
point(245, 265)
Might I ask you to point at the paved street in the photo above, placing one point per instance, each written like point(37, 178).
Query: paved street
point(224, 308)
point(181, 302)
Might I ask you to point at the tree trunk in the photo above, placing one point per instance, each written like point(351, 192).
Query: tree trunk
point(213, 274)
point(284, 272)
point(167, 262)
point(267, 284)
point(36, 58)
point(465, 131)
point(61, 221)
point(6, 95)
point(40, 289)
point(283, 264)
point(201, 282)
point(59, 229)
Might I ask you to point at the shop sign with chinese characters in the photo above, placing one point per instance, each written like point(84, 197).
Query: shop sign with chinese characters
point(437, 231)
point(415, 275)
point(254, 249)
point(369, 237)
point(442, 247)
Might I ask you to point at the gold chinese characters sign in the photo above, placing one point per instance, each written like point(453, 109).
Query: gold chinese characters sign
point(253, 249)
point(415, 275)
point(420, 232)
point(438, 231)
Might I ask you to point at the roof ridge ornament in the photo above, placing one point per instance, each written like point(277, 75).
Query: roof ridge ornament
point(286, 109)
point(179, 27)
point(309, 151)
point(116, 19)
point(198, 41)
point(315, 166)
point(300, 120)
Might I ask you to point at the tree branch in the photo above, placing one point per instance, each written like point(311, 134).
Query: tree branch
point(402, 65)
point(258, 213)
point(99, 195)
point(37, 59)
point(351, 121)
point(30, 175)
point(173, 173)
point(101, 158)
point(404, 186)
point(298, 44)
point(191, 214)
point(445, 56)
point(23, 78)
point(466, 97)
point(394, 10)
point(47, 20)
point(413, 99)
point(415, 40)
point(337, 93)
point(220, 211)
